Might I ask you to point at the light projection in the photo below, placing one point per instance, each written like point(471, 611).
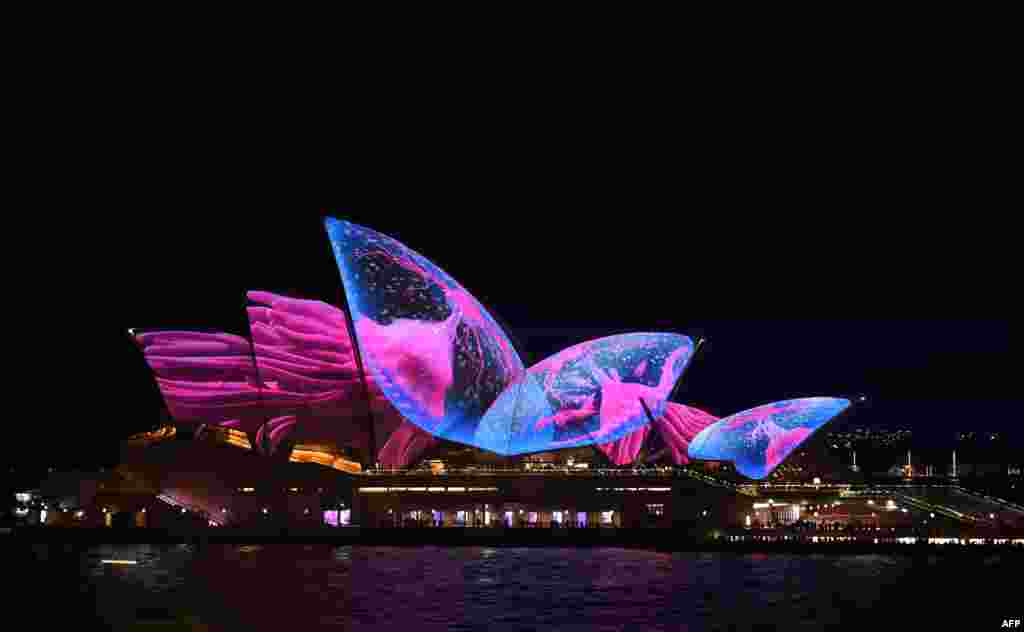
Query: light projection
point(435, 352)
point(405, 445)
point(678, 427)
point(669, 435)
point(429, 362)
point(307, 367)
point(205, 378)
point(759, 439)
point(297, 380)
point(447, 366)
point(586, 394)
point(307, 371)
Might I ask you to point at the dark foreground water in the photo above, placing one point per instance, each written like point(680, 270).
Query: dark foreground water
point(295, 587)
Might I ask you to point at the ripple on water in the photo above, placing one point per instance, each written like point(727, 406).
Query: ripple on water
point(275, 587)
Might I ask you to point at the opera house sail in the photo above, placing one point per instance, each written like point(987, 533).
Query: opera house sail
point(416, 359)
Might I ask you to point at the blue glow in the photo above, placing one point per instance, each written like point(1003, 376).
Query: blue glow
point(759, 439)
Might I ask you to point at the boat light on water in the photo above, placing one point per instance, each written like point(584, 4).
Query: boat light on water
point(119, 561)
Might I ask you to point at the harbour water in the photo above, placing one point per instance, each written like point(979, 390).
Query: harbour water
point(300, 587)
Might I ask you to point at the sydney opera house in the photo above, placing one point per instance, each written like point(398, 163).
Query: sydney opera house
point(411, 405)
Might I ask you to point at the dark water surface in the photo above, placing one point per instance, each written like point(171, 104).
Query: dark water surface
point(296, 587)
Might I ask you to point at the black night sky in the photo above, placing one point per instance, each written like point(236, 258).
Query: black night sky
point(860, 263)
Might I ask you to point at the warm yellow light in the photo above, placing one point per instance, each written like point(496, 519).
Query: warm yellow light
point(320, 457)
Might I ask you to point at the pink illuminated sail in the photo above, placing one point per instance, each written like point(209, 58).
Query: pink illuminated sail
point(676, 427)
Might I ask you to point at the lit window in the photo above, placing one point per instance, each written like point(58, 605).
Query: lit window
point(656, 509)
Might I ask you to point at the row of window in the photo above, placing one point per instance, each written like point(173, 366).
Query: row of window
point(290, 490)
point(633, 489)
point(381, 490)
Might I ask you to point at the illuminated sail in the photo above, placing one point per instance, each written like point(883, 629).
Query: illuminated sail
point(759, 439)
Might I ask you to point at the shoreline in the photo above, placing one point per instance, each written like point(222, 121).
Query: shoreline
point(454, 537)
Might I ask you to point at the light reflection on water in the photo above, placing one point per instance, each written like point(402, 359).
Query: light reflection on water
point(276, 587)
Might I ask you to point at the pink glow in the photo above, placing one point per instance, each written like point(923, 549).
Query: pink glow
point(640, 369)
point(409, 353)
point(275, 431)
point(667, 380)
point(467, 306)
point(205, 378)
point(620, 401)
point(679, 425)
point(783, 442)
point(625, 449)
point(555, 363)
point(307, 363)
point(567, 416)
point(405, 445)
